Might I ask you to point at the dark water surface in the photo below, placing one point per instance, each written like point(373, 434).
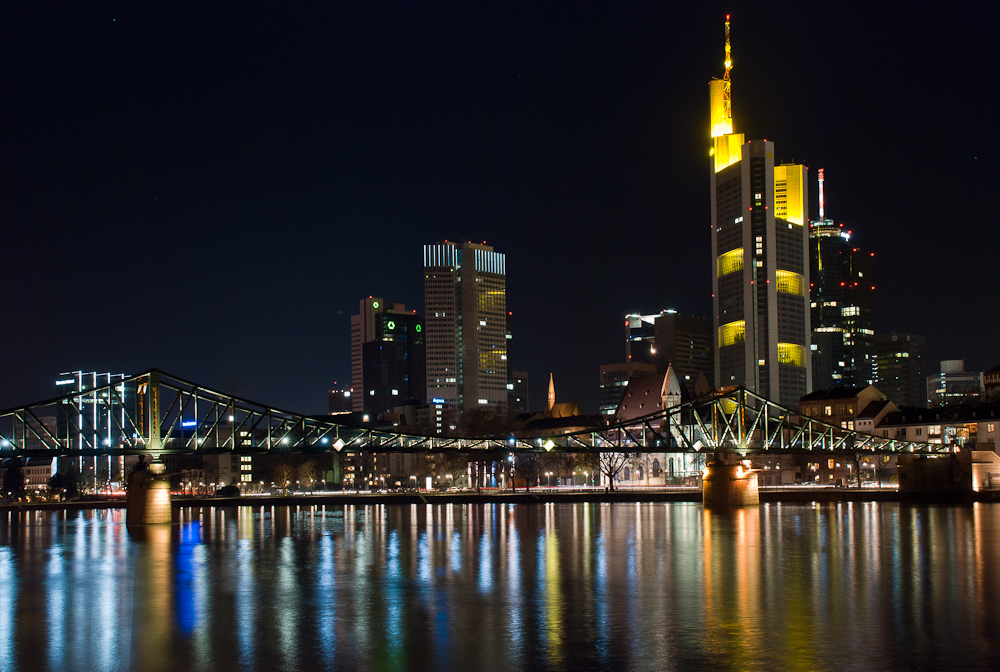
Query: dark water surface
point(505, 587)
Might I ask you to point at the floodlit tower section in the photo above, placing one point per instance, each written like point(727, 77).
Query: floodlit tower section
point(726, 145)
point(760, 259)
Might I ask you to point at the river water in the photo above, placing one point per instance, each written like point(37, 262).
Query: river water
point(664, 586)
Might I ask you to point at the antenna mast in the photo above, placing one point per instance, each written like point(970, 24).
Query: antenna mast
point(821, 193)
point(727, 95)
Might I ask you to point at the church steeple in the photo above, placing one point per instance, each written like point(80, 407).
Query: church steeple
point(552, 394)
point(670, 393)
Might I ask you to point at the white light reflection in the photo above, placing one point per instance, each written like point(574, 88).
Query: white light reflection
point(287, 598)
point(56, 617)
point(514, 598)
point(245, 610)
point(8, 602)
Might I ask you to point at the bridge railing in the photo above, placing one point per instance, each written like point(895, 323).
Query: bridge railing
point(154, 412)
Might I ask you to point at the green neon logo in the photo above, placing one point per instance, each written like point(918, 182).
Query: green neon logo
point(419, 328)
point(374, 304)
point(391, 325)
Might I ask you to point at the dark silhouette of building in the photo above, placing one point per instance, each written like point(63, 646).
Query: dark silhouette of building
point(899, 368)
point(840, 298)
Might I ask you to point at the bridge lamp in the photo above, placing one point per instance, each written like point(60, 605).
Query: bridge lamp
point(324, 440)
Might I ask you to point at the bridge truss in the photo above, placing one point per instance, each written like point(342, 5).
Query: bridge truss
point(157, 413)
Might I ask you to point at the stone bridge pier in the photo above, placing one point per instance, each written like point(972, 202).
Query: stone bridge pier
point(729, 484)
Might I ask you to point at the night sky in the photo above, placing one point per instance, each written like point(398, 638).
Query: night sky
point(209, 188)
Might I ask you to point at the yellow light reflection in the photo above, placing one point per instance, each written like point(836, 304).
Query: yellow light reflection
point(732, 333)
point(791, 283)
point(729, 262)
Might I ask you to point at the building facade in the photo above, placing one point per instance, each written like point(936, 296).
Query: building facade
point(954, 385)
point(95, 421)
point(670, 338)
point(760, 260)
point(466, 316)
point(840, 303)
point(517, 391)
point(387, 357)
point(899, 368)
point(614, 380)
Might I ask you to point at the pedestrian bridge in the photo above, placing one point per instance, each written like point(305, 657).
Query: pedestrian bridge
point(155, 413)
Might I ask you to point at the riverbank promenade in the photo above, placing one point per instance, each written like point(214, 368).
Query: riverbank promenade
point(555, 495)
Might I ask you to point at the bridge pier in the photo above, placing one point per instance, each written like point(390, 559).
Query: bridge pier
point(729, 485)
point(147, 501)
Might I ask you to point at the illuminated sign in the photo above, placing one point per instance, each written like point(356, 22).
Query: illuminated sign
point(437, 400)
point(391, 324)
point(189, 423)
point(419, 328)
point(68, 381)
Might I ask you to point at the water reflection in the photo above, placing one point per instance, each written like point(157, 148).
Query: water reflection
point(589, 586)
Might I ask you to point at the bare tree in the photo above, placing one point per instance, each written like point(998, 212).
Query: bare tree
point(282, 474)
point(881, 462)
point(611, 464)
point(307, 473)
point(528, 466)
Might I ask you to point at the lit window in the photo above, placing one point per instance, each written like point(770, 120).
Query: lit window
point(734, 332)
point(729, 262)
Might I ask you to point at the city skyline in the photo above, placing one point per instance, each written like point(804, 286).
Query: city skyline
point(211, 193)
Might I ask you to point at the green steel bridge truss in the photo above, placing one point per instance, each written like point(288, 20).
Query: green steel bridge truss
point(155, 413)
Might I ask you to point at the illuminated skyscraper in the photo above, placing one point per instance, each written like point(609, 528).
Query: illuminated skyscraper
point(760, 259)
point(465, 306)
point(387, 356)
point(841, 292)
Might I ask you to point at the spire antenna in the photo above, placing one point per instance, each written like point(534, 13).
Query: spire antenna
point(821, 193)
point(727, 94)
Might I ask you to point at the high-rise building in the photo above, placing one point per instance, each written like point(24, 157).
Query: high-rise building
point(953, 385)
point(387, 356)
point(899, 368)
point(670, 338)
point(466, 312)
point(517, 391)
point(760, 260)
point(840, 294)
point(96, 421)
point(339, 401)
point(614, 380)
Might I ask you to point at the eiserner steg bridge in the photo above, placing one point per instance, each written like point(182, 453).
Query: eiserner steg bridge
point(154, 413)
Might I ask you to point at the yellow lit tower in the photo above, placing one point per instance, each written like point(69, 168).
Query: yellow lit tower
point(760, 262)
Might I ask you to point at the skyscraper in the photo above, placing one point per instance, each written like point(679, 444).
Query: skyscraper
point(841, 291)
point(899, 368)
point(387, 356)
point(465, 305)
point(670, 338)
point(760, 259)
